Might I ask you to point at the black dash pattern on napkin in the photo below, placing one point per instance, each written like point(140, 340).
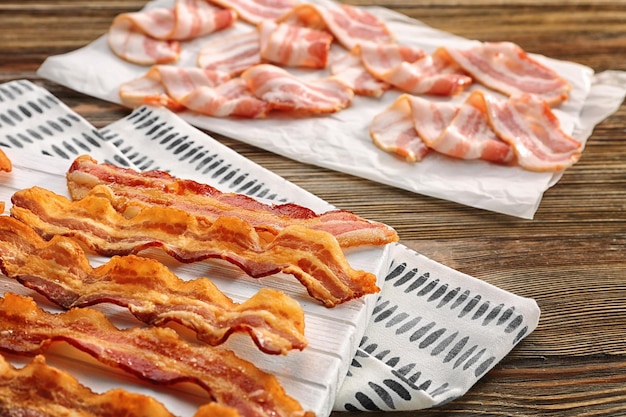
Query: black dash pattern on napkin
point(33, 119)
point(425, 336)
point(155, 140)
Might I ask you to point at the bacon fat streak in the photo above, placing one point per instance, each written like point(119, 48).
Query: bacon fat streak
point(312, 256)
point(153, 354)
point(130, 189)
point(60, 270)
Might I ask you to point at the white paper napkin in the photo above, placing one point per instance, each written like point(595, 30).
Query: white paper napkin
point(433, 331)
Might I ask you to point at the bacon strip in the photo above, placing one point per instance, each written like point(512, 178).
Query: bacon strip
point(505, 67)
point(130, 190)
point(152, 37)
point(413, 71)
point(233, 54)
point(350, 70)
point(470, 135)
point(350, 25)
point(204, 91)
point(313, 257)
point(294, 46)
point(60, 270)
point(40, 390)
point(393, 130)
point(255, 11)
point(529, 126)
point(284, 91)
point(154, 354)
point(521, 130)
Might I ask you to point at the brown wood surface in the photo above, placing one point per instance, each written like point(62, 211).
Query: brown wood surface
point(571, 258)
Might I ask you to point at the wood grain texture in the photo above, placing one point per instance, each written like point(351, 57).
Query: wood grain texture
point(571, 258)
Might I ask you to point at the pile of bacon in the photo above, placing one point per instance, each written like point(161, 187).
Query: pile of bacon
point(120, 212)
point(248, 74)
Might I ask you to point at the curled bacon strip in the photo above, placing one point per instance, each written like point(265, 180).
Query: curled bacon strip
point(40, 390)
point(60, 270)
point(154, 354)
point(152, 37)
point(350, 25)
point(505, 67)
point(286, 92)
point(129, 190)
point(312, 256)
point(520, 130)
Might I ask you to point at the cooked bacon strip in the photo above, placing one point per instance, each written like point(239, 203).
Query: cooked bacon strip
point(505, 67)
point(5, 162)
point(233, 54)
point(294, 46)
point(153, 354)
point(529, 126)
point(40, 390)
point(412, 71)
point(313, 257)
point(255, 11)
point(393, 130)
point(350, 25)
point(470, 136)
point(130, 190)
point(152, 37)
point(60, 270)
point(284, 91)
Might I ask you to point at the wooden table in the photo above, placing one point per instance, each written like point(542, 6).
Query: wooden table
point(570, 258)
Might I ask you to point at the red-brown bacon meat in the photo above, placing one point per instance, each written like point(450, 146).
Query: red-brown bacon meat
point(153, 354)
point(130, 190)
point(312, 256)
point(39, 390)
point(60, 270)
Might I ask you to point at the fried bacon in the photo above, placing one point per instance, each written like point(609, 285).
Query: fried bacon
point(60, 270)
point(154, 354)
point(5, 162)
point(129, 190)
point(312, 256)
point(40, 390)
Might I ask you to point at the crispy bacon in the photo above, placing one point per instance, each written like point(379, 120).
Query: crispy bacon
point(284, 91)
point(154, 354)
point(41, 390)
point(529, 126)
point(255, 11)
point(5, 162)
point(129, 189)
point(152, 37)
point(60, 270)
point(505, 67)
point(350, 25)
point(314, 257)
